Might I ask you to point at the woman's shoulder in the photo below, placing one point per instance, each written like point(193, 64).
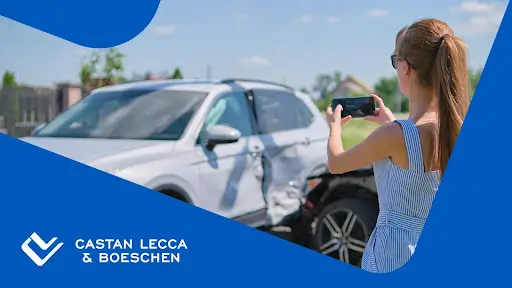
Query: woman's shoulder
point(389, 130)
point(389, 135)
point(386, 139)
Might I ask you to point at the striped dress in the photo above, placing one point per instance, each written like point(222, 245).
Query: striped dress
point(405, 198)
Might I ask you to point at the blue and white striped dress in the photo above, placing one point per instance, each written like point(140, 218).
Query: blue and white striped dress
point(405, 198)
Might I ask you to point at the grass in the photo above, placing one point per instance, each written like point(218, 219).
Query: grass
point(356, 130)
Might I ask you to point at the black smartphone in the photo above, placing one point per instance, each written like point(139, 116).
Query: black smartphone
point(357, 107)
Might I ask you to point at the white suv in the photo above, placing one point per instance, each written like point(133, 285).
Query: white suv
point(237, 148)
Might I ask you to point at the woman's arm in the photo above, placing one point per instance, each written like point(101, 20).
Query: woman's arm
point(379, 144)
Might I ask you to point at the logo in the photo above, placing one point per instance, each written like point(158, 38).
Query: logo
point(43, 245)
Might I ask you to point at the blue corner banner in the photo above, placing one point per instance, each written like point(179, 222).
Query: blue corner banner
point(43, 195)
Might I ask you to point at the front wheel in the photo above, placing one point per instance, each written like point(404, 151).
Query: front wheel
point(343, 228)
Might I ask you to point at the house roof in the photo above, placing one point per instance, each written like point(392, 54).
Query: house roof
point(351, 84)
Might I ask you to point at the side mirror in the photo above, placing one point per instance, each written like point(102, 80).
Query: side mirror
point(38, 127)
point(221, 134)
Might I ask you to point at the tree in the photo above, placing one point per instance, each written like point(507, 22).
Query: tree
point(89, 67)
point(387, 89)
point(322, 84)
point(111, 70)
point(11, 108)
point(473, 78)
point(9, 79)
point(336, 78)
point(113, 65)
point(405, 104)
point(177, 74)
point(322, 104)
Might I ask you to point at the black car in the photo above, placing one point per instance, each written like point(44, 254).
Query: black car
point(337, 215)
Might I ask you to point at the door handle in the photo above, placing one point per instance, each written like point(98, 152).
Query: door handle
point(255, 151)
point(306, 141)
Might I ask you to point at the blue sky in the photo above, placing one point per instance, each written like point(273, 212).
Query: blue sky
point(287, 41)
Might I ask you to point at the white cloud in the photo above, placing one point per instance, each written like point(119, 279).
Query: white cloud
point(254, 60)
point(306, 18)
point(475, 7)
point(483, 18)
point(242, 17)
point(377, 13)
point(333, 20)
point(164, 29)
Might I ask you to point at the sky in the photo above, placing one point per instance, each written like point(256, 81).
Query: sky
point(289, 41)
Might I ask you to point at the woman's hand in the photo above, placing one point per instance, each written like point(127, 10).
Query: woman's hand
point(334, 117)
point(334, 144)
point(383, 114)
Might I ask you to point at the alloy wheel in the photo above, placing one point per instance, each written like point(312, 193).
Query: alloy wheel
point(343, 236)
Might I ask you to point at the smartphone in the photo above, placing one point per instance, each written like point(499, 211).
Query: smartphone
point(357, 107)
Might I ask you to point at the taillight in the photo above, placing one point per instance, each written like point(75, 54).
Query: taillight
point(311, 184)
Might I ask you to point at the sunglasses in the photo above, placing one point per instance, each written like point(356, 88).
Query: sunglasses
point(394, 60)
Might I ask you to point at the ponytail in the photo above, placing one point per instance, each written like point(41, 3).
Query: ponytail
point(451, 83)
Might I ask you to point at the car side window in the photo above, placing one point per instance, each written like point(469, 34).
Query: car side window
point(306, 117)
point(231, 110)
point(280, 111)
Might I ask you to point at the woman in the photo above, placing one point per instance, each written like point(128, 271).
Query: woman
point(409, 156)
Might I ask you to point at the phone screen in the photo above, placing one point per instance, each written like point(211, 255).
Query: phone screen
point(357, 107)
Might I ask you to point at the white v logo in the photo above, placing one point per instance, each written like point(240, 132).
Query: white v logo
point(43, 245)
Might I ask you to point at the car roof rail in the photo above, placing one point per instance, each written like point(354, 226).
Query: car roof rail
point(199, 79)
point(234, 80)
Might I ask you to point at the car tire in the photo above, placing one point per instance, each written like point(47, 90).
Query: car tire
point(343, 228)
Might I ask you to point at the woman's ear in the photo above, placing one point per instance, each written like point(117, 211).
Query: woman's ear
point(406, 68)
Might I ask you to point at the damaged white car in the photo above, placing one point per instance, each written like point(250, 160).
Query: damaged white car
point(242, 149)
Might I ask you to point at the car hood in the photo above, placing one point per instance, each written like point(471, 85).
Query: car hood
point(94, 152)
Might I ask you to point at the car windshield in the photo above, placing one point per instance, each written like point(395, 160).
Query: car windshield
point(128, 114)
